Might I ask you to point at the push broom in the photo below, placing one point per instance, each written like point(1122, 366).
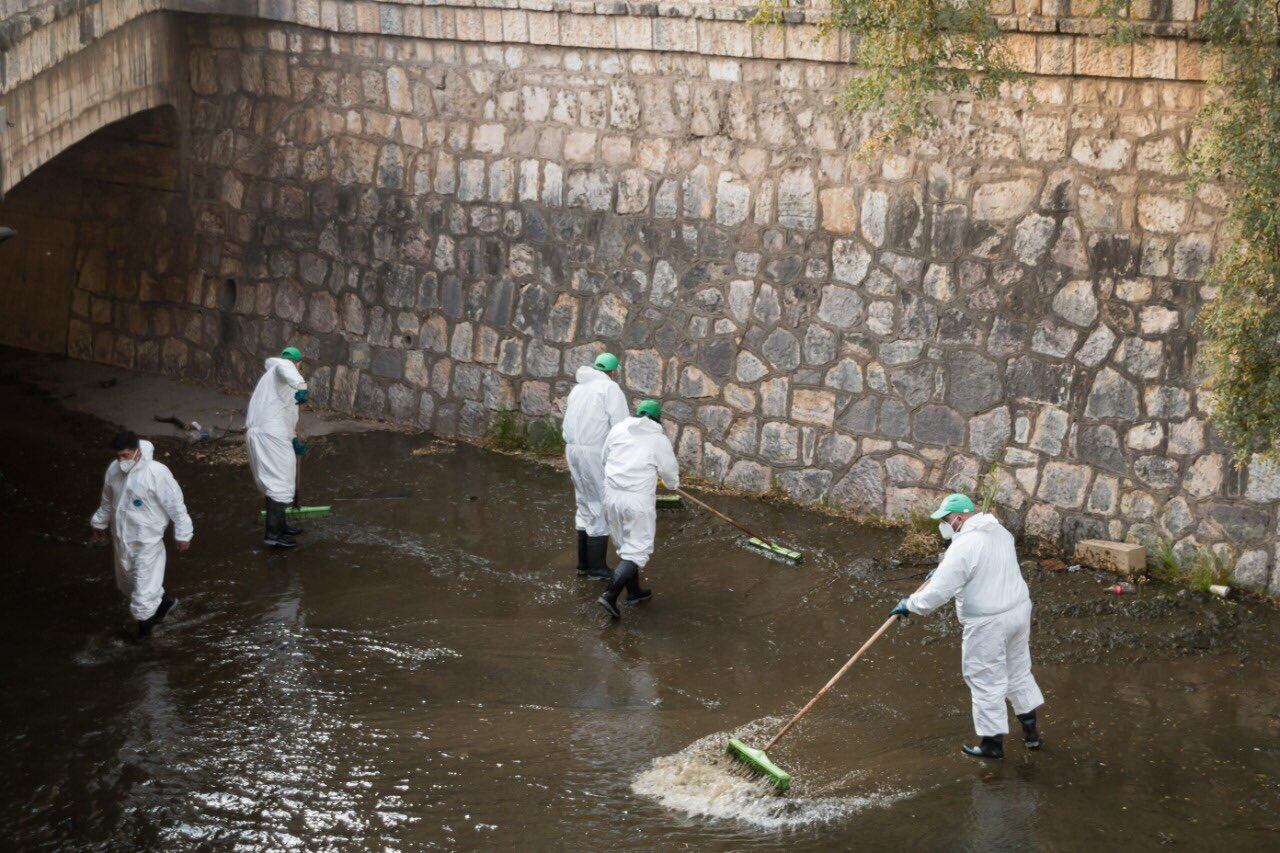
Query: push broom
point(758, 542)
point(758, 759)
point(297, 510)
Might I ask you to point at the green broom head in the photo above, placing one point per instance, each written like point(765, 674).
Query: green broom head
point(670, 501)
point(759, 763)
point(301, 512)
point(776, 550)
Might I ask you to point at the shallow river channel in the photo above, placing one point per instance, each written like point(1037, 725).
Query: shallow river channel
point(428, 671)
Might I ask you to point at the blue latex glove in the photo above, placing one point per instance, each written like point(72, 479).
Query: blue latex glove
point(901, 610)
point(298, 447)
point(300, 396)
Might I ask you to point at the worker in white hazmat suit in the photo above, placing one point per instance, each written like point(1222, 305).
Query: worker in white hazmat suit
point(636, 453)
point(271, 427)
point(980, 570)
point(139, 499)
point(595, 405)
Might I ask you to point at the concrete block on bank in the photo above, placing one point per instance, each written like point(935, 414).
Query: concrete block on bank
point(1123, 558)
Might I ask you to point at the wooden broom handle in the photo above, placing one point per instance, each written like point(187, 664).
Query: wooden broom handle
point(849, 663)
point(717, 512)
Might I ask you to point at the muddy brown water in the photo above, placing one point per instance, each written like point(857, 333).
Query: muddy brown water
point(431, 673)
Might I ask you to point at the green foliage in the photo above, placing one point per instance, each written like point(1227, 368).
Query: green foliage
point(910, 52)
point(507, 432)
point(1239, 145)
point(544, 438)
point(987, 489)
point(1197, 570)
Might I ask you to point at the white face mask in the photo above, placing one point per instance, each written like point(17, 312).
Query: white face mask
point(126, 465)
point(946, 530)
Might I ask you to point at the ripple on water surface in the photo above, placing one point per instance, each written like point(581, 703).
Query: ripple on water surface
point(703, 782)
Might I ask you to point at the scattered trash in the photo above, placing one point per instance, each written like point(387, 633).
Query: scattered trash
point(431, 449)
point(1220, 590)
point(197, 432)
point(1053, 564)
point(170, 419)
point(1073, 569)
point(1121, 588)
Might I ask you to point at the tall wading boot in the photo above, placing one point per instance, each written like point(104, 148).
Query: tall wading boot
point(276, 537)
point(583, 553)
point(145, 625)
point(635, 594)
point(623, 577)
point(989, 747)
point(597, 558)
point(1030, 733)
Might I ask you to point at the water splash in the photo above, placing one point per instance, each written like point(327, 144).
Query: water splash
point(702, 781)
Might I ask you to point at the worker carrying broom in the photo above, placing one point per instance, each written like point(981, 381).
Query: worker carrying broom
point(980, 570)
point(271, 433)
point(636, 453)
point(596, 404)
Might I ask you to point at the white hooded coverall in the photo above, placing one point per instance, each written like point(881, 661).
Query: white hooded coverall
point(980, 570)
point(270, 426)
point(636, 453)
point(137, 506)
point(595, 405)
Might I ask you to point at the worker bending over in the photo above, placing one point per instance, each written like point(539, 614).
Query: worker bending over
point(980, 570)
point(596, 405)
point(139, 499)
point(271, 431)
point(636, 453)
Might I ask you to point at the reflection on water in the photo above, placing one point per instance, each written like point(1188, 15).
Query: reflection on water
point(431, 673)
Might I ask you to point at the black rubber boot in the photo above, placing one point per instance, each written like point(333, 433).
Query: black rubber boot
point(145, 625)
point(623, 576)
point(275, 536)
point(291, 529)
point(597, 554)
point(634, 593)
point(989, 747)
point(1030, 733)
point(583, 553)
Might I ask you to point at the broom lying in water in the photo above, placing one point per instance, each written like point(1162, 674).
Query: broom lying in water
point(757, 542)
point(758, 759)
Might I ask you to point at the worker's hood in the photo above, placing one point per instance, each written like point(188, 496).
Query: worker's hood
point(587, 373)
point(643, 426)
point(148, 453)
point(981, 521)
point(273, 361)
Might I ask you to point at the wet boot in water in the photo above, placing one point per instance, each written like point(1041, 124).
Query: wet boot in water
point(145, 625)
point(1030, 733)
point(583, 561)
point(989, 747)
point(635, 594)
point(275, 535)
point(623, 577)
point(597, 552)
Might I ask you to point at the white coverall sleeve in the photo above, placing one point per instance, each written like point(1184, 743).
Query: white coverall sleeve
point(169, 493)
point(615, 405)
point(668, 468)
point(288, 373)
point(106, 506)
point(952, 574)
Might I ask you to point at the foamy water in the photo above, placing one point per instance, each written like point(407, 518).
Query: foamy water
point(702, 781)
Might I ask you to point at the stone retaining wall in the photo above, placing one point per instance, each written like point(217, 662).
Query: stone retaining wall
point(451, 208)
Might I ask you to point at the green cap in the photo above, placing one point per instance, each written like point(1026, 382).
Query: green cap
point(291, 353)
point(648, 408)
point(607, 362)
point(953, 503)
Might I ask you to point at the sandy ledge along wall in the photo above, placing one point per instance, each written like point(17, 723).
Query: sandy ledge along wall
point(451, 228)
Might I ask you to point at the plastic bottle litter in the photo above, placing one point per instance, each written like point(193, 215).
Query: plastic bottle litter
point(1121, 588)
